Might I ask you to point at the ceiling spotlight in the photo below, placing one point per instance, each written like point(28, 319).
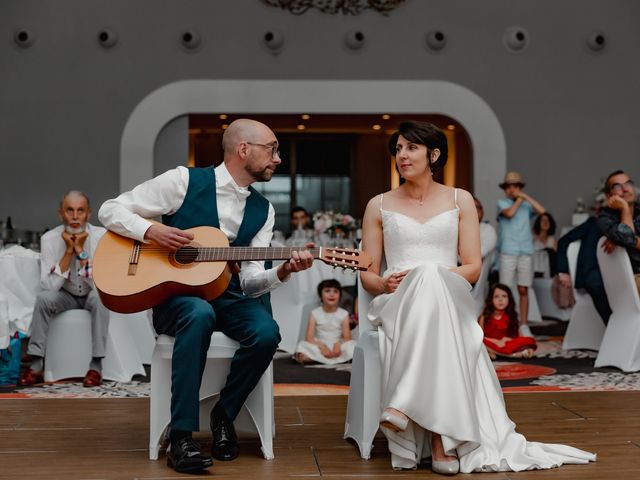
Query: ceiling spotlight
point(436, 40)
point(306, 116)
point(24, 38)
point(191, 39)
point(386, 116)
point(515, 39)
point(222, 116)
point(376, 127)
point(107, 38)
point(596, 41)
point(354, 40)
point(273, 41)
point(225, 126)
point(301, 127)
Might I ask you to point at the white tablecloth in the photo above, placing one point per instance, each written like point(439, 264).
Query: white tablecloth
point(19, 285)
point(292, 301)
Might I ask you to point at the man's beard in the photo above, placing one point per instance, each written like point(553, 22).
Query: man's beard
point(74, 230)
point(263, 175)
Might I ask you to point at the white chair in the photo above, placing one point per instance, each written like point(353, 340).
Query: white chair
point(139, 327)
point(548, 308)
point(481, 288)
point(364, 407)
point(256, 416)
point(287, 302)
point(68, 348)
point(621, 342)
point(586, 328)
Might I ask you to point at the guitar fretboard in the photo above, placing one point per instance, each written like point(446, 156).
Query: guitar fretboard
point(243, 254)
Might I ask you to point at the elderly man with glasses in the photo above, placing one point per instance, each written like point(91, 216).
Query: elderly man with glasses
point(619, 221)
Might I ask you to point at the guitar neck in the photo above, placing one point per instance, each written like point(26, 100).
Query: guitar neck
point(244, 254)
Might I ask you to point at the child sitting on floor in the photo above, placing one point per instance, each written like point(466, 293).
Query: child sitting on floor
point(328, 338)
point(499, 321)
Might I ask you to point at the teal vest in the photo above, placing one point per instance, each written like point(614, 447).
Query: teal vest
point(200, 208)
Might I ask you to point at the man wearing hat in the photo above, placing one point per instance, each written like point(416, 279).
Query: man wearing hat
point(516, 242)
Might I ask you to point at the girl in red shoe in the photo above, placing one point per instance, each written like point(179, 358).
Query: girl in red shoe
point(499, 321)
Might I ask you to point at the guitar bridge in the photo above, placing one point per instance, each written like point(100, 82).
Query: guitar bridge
point(134, 258)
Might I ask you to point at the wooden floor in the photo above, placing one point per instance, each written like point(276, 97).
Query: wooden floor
point(108, 439)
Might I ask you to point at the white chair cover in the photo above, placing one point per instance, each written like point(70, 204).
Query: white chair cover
point(255, 417)
point(68, 349)
point(621, 342)
point(481, 287)
point(364, 404)
point(586, 328)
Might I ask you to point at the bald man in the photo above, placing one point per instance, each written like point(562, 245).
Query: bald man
point(220, 197)
point(65, 276)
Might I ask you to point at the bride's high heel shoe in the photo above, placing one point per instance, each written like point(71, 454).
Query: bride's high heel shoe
point(443, 467)
point(393, 422)
point(446, 467)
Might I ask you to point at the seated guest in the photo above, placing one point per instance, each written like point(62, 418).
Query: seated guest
point(65, 262)
point(587, 272)
point(544, 246)
point(301, 230)
point(328, 339)
point(488, 235)
point(499, 322)
point(619, 221)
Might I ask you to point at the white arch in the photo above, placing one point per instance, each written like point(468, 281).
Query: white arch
point(316, 96)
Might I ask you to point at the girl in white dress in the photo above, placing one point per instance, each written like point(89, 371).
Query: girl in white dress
point(328, 337)
point(440, 393)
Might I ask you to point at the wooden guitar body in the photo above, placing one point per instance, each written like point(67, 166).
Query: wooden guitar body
point(157, 275)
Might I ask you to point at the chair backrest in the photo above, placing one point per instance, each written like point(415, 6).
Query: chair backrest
point(572, 257)
point(618, 278)
point(480, 285)
point(364, 298)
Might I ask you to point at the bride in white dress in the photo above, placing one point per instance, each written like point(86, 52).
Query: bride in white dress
point(440, 393)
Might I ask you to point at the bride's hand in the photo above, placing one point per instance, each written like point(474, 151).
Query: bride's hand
point(391, 282)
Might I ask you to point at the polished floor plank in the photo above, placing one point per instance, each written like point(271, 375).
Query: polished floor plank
point(86, 439)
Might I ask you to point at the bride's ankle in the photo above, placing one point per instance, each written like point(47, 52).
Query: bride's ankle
point(437, 449)
point(396, 413)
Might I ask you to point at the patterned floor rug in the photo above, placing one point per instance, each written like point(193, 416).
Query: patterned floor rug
point(551, 369)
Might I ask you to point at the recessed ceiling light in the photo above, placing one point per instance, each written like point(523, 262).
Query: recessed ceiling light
point(222, 116)
point(376, 127)
point(386, 116)
point(306, 116)
point(301, 127)
point(224, 126)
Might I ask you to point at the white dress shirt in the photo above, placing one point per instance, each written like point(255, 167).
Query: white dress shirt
point(77, 280)
point(164, 194)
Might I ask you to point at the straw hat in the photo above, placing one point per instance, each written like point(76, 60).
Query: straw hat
point(512, 178)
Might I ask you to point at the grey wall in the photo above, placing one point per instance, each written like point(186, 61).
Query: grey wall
point(569, 116)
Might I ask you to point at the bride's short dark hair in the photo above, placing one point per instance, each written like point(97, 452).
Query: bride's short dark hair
point(423, 133)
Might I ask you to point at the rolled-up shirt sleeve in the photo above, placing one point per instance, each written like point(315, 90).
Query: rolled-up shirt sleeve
point(619, 233)
point(51, 277)
point(127, 214)
point(254, 279)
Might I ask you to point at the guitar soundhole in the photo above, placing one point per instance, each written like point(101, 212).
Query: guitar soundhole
point(186, 255)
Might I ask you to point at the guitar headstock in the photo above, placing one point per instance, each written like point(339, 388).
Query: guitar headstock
point(346, 258)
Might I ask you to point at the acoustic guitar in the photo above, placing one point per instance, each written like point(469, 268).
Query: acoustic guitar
point(132, 276)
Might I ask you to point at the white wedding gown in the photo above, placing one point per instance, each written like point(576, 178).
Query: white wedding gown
point(435, 368)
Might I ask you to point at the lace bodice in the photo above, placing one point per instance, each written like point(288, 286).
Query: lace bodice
point(408, 243)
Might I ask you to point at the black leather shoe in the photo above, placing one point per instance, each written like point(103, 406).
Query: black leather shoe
point(184, 456)
point(225, 442)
